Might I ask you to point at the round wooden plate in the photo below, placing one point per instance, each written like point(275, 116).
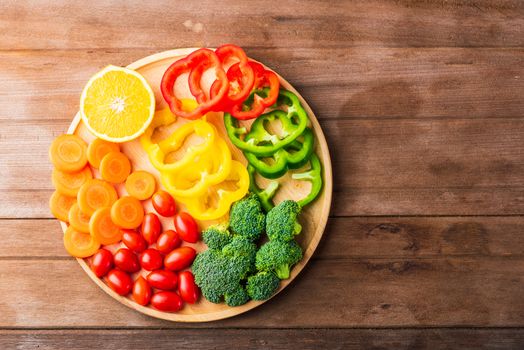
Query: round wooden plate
point(313, 217)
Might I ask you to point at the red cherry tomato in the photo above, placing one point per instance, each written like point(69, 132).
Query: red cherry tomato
point(151, 259)
point(142, 291)
point(126, 260)
point(102, 262)
point(119, 281)
point(187, 227)
point(179, 258)
point(151, 228)
point(167, 301)
point(163, 203)
point(187, 287)
point(134, 241)
point(163, 279)
point(168, 241)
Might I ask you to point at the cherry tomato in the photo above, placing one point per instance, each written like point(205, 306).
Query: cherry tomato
point(142, 291)
point(102, 262)
point(167, 301)
point(163, 203)
point(168, 241)
point(126, 260)
point(187, 287)
point(151, 228)
point(186, 227)
point(134, 241)
point(163, 279)
point(119, 281)
point(151, 259)
point(179, 258)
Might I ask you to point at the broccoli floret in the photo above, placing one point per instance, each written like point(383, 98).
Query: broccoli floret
point(278, 256)
point(237, 297)
point(281, 221)
point(262, 285)
point(247, 218)
point(218, 274)
point(216, 236)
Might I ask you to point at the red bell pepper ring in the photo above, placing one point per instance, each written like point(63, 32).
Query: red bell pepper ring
point(198, 61)
point(263, 78)
point(240, 75)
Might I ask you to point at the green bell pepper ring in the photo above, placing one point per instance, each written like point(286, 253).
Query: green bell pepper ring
point(264, 195)
point(284, 159)
point(313, 175)
point(259, 141)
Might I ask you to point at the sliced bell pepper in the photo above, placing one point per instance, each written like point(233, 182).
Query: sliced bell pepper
point(294, 121)
point(313, 175)
point(260, 98)
point(293, 156)
point(216, 202)
point(194, 179)
point(240, 75)
point(195, 63)
point(264, 195)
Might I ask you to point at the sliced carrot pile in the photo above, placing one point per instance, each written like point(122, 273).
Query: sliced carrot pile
point(68, 153)
point(115, 167)
point(80, 244)
point(102, 227)
point(141, 185)
point(78, 220)
point(94, 194)
point(98, 149)
point(127, 212)
point(69, 183)
point(60, 205)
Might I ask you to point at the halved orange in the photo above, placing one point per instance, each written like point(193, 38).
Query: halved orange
point(117, 104)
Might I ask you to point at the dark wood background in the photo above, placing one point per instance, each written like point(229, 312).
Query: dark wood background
point(422, 103)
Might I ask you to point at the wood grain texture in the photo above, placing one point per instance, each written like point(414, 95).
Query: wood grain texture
point(345, 237)
point(352, 83)
point(348, 292)
point(381, 167)
point(347, 339)
point(121, 24)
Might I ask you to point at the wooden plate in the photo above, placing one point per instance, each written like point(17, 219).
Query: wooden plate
point(313, 217)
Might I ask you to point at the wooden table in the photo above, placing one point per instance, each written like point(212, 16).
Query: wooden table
point(422, 103)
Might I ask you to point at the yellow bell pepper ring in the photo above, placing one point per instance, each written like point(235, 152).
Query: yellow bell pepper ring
point(217, 201)
point(208, 169)
point(175, 141)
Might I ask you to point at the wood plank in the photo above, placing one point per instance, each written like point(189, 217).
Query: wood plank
point(354, 237)
point(434, 339)
point(356, 83)
point(389, 167)
point(347, 293)
point(277, 24)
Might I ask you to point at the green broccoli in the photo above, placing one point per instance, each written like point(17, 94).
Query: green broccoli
point(237, 297)
point(281, 221)
point(247, 218)
point(219, 272)
point(278, 256)
point(216, 236)
point(262, 285)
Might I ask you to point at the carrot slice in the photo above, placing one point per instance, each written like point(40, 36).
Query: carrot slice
point(60, 205)
point(80, 244)
point(127, 212)
point(141, 184)
point(98, 149)
point(115, 167)
point(68, 153)
point(94, 194)
point(69, 183)
point(78, 220)
point(102, 227)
